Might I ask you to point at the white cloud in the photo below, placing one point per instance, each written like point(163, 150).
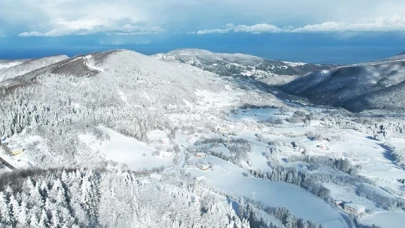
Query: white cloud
point(257, 29)
point(390, 24)
point(87, 27)
point(75, 17)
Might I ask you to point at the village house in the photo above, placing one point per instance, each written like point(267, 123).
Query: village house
point(339, 203)
point(155, 177)
point(200, 155)
point(17, 151)
point(354, 209)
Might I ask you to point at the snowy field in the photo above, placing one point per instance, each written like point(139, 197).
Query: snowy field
point(137, 155)
point(255, 114)
point(385, 219)
point(229, 178)
point(359, 148)
point(211, 128)
point(5, 65)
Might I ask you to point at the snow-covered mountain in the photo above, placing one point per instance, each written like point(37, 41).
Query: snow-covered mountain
point(120, 139)
point(125, 90)
point(12, 69)
point(400, 56)
point(375, 85)
point(238, 65)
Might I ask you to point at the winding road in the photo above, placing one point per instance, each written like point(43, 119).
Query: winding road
point(4, 162)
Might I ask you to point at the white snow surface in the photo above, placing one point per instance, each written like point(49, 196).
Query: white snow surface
point(130, 151)
point(206, 106)
point(228, 178)
point(18, 68)
point(386, 219)
point(8, 64)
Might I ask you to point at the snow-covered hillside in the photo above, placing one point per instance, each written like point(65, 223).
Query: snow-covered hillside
point(85, 198)
point(400, 56)
point(12, 69)
point(376, 85)
point(136, 141)
point(239, 65)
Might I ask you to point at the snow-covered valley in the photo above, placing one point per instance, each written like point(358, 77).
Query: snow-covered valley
point(233, 155)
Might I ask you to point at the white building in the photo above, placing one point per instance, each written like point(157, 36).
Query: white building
point(339, 203)
point(200, 155)
point(354, 209)
point(155, 177)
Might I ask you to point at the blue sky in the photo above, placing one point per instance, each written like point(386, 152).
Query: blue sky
point(333, 31)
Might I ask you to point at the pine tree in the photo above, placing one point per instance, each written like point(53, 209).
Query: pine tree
point(55, 220)
point(22, 215)
point(34, 221)
point(6, 213)
point(44, 221)
point(15, 207)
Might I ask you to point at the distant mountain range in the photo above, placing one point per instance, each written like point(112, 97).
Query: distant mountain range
point(359, 87)
point(239, 65)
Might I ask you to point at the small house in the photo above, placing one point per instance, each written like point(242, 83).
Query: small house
point(200, 155)
point(354, 209)
point(339, 203)
point(155, 177)
point(18, 151)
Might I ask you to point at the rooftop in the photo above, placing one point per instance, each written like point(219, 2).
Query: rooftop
point(155, 176)
point(355, 206)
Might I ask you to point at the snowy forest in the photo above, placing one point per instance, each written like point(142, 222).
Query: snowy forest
point(119, 139)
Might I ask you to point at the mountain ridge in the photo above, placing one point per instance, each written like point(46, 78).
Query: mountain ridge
point(373, 83)
point(238, 65)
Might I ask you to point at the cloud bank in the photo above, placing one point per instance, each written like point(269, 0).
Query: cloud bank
point(53, 18)
point(391, 24)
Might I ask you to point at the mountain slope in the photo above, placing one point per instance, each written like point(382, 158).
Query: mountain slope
point(237, 65)
point(377, 85)
point(400, 56)
point(12, 69)
point(123, 90)
point(101, 198)
point(131, 72)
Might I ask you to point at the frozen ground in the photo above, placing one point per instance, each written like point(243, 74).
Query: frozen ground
point(206, 107)
point(137, 155)
point(5, 65)
point(386, 219)
point(228, 178)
